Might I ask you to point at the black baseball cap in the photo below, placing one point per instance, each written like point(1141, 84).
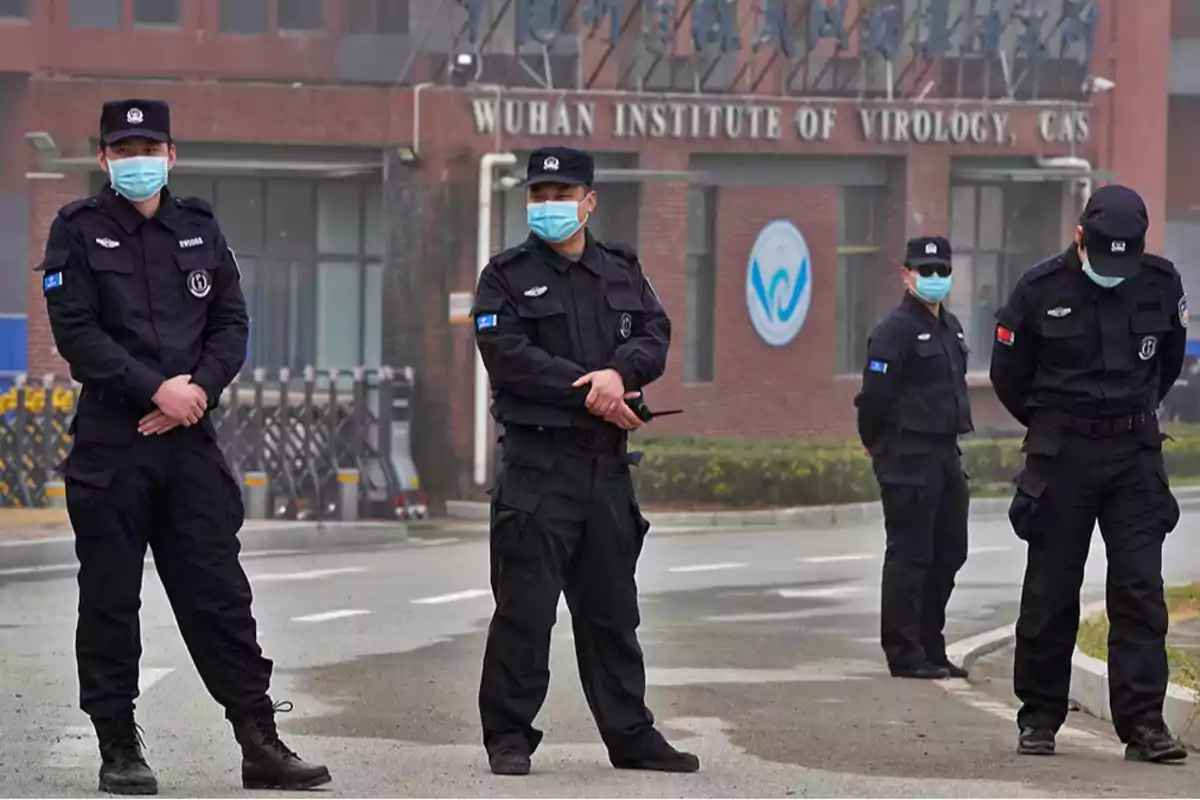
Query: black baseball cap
point(564, 165)
point(922, 250)
point(1114, 226)
point(129, 119)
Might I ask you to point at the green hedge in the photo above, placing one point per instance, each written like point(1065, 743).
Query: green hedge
point(740, 473)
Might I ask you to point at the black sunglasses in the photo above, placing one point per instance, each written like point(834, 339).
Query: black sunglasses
point(929, 270)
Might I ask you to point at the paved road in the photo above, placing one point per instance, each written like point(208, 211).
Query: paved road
point(762, 657)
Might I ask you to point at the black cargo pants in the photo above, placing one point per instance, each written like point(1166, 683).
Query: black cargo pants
point(925, 504)
point(176, 494)
point(564, 519)
point(1070, 482)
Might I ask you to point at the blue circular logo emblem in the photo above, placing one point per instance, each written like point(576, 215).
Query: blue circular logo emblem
point(779, 283)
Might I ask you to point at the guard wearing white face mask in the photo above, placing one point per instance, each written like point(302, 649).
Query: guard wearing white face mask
point(1087, 347)
point(912, 408)
point(145, 303)
point(569, 330)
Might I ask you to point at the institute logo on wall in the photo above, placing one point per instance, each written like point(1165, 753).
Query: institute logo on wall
point(779, 283)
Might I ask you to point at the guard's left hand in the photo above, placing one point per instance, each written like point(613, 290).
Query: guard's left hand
point(608, 389)
point(156, 422)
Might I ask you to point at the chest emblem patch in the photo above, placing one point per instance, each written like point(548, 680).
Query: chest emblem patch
point(924, 337)
point(198, 283)
point(536, 291)
point(625, 326)
point(1148, 349)
point(107, 244)
point(194, 242)
point(1058, 313)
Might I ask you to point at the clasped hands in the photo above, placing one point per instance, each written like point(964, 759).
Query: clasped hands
point(606, 399)
point(179, 401)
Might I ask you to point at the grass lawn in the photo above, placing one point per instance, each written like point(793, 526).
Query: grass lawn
point(1183, 603)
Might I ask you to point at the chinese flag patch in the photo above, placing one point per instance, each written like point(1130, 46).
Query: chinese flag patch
point(1004, 335)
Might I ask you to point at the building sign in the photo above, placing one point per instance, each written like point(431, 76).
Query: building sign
point(779, 283)
point(882, 124)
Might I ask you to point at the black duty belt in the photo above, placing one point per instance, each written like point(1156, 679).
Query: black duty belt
point(1096, 428)
point(592, 441)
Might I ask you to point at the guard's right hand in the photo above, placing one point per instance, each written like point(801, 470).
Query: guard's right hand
point(181, 400)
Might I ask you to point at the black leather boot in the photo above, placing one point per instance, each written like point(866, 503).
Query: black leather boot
point(123, 768)
point(267, 763)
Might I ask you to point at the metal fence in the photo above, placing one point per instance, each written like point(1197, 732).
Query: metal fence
point(302, 438)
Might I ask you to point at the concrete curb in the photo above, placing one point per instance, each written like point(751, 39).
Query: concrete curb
point(967, 651)
point(1089, 688)
point(831, 516)
point(254, 536)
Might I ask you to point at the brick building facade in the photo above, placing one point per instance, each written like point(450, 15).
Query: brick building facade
point(304, 116)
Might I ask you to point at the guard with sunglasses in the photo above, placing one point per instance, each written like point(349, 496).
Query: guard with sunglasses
point(1086, 348)
point(912, 408)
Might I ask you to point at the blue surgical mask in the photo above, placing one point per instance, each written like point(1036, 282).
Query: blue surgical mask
point(1100, 280)
point(932, 289)
point(554, 221)
point(138, 178)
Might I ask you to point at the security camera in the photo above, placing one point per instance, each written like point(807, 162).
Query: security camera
point(1099, 84)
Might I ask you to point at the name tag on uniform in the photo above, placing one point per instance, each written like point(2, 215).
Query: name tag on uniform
point(52, 281)
point(877, 366)
point(485, 321)
point(186, 243)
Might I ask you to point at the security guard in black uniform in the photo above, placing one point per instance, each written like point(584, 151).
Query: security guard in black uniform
point(569, 330)
point(146, 307)
point(1086, 348)
point(912, 408)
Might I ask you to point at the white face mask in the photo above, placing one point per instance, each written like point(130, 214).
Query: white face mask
point(1103, 281)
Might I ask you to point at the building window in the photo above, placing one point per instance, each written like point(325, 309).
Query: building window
point(301, 15)
point(997, 231)
point(859, 224)
point(311, 255)
point(95, 13)
point(155, 12)
point(13, 9)
point(388, 17)
point(701, 281)
point(244, 16)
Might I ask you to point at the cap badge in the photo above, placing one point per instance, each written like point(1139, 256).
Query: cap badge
point(134, 116)
point(1118, 247)
point(550, 164)
point(931, 249)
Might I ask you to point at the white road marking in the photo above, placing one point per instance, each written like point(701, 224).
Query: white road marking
point(328, 615)
point(469, 594)
point(707, 567)
point(307, 575)
point(76, 747)
point(989, 549)
point(836, 559)
point(961, 690)
point(832, 591)
point(15, 571)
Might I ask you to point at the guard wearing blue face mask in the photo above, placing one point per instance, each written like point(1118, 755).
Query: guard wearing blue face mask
point(912, 408)
point(1087, 347)
point(569, 330)
point(145, 303)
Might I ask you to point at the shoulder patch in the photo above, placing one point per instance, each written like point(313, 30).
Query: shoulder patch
point(71, 209)
point(509, 255)
point(619, 249)
point(1159, 263)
